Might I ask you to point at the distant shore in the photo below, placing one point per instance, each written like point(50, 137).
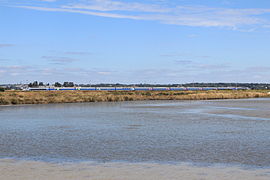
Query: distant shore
point(47, 97)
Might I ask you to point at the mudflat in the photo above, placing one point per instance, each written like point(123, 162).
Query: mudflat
point(25, 170)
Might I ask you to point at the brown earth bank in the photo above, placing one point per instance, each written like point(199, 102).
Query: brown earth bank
point(46, 97)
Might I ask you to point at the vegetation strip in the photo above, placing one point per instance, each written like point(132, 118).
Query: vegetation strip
point(46, 97)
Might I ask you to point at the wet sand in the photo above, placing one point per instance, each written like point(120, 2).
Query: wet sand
point(26, 170)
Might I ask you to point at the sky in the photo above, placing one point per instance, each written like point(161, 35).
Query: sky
point(134, 41)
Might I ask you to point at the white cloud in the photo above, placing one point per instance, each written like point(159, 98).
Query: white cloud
point(111, 15)
point(201, 16)
point(109, 5)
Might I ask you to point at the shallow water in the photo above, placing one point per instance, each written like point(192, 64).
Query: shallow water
point(203, 132)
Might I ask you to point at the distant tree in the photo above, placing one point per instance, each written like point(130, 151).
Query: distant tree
point(2, 89)
point(65, 84)
point(57, 84)
point(71, 84)
point(68, 84)
point(40, 84)
point(35, 84)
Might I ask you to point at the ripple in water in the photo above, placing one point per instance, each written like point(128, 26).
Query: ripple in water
point(224, 131)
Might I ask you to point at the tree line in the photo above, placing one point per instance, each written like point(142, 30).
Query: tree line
point(56, 84)
point(71, 84)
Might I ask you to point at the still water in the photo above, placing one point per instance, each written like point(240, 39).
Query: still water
point(221, 131)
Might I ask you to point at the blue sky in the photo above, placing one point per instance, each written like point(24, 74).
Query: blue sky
point(134, 41)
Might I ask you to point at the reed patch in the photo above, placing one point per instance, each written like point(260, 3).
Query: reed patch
point(46, 97)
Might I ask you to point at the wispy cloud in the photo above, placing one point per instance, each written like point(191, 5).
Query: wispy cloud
point(145, 75)
point(184, 62)
point(48, 0)
point(178, 15)
point(6, 45)
point(212, 66)
point(59, 60)
point(192, 35)
point(15, 70)
point(111, 5)
point(259, 69)
point(104, 72)
point(193, 66)
point(213, 73)
point(77, 53)
point(185, 55)
point(111, 15)
point(17, 73)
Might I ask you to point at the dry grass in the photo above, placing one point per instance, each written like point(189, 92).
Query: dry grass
point(46, 97)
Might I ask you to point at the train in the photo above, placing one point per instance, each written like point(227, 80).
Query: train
point(132, 88)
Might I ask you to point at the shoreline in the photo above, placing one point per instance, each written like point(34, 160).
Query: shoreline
point(22, 169)
point(56, 161)
point(53, 97)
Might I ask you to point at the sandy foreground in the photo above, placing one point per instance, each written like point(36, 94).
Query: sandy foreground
point(31, 170)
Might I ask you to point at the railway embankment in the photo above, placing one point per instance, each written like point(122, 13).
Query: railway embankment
point(47, 97)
